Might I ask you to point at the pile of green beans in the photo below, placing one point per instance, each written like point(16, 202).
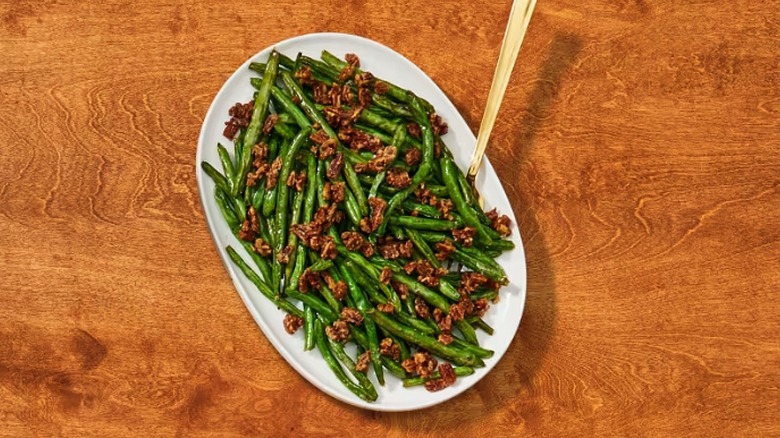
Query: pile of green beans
point(388, 308)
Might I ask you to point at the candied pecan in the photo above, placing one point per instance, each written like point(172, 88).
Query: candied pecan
point(364, 96)
point(367, 250)
point(381, 87)
point(421, 308)
point(425, 364)
point(338, 331)
point(363, 79)
point(240, 115)
point(359, 140)
point(347, 96)
point(481, 306)
point(273, 174)
point(437, 124)
point(296, 180)
point(296, 100)
point(262, 247)
point(327, 149)
point(334, 192)
point(443, 321)
point(445, 206)
point(400, 288)
point(414, 130)
point(309, 279)
point(339, 290)
point(304, 75)
point(447, 379)
point(346, 73)
point(382, 159)
point(284, 256)
point(392, 249)
point(334, 170)
point(428, 275)
point(351, 315)
point(352, 240)
point(378, 207)
point(321, 93)
point(424, 194)
point(292, 323)
point(328, 250)
point(308, 233)
point(319, 136)
point(445, 338)
point(253, 177)
point(332, 114)
point(398, 178)
point(352, 59)
point(325, 217)
point(360, 168)
point(335, 95)
point(246, 232)
point(414, 213)
point(385, 275)
point(254, 223)
point(269, 123)
point(409, 365)
point(385, 307)
point(363, 361)
point(259, 154)
point(389, 348)
point(413, 156)
point(464, 235)
point(444, 249)
point(499, 223)
point(457, 312)
point(470, 281)
point(437, 146)
point(365, 225)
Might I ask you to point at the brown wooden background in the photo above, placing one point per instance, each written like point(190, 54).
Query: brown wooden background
point(639, 143)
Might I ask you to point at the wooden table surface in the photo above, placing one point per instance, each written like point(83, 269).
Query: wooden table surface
point(639, 143)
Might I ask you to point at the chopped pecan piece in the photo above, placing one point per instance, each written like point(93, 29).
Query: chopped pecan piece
point(296, 180)
point(246, 232)
point(443, 321)
point(364, 96)
point(319, 136)
point(363, 79)
point(481, 306)
point(309, 279)
point(254, 223)
point(392, 249)
point(359, 140)
point(328, 250)
point(378, 207)
point(269, 123)
point(464, 235)
point(334, 192)
point(385, 307)
point(499, 223)
point(338, 331)
point(335, 96)
point(334, 170)
point(321, 93)
point(338, 288)
point(352, 316)
point(447, 378)
point(400, 288)
point(424, 194)
point(284, 256)
point(240, 115)
point(292, 323)
point(259, 154)
point(444, 249)
point(363, 361)
point(414, 130)
point(389, 348)
point(352, 240)
point(437, 124)
point(327, 149)
point(463, 308)
point(381, 87)
point(273, 173)
point(421, 308)
point(470, 281)
point(262, 247)
point(304, 75)
point(437, 146)
point(445, 338)
point(421, 363)
point(428, 275)
point(398, 178)
point(445, 206)
point(386, 275)
point(367, 250)
point(413, 156)
point(382, 159)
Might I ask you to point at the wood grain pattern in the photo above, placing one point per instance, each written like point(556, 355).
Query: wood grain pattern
point(639, 143)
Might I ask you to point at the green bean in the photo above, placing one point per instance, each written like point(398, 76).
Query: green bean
point(423, 223)
point(455, 355)
point(415, 323)
point(352, 208)
point(322, 345)
point(269, 201)
point(227, 166)
point(281, 98)
point(432, 297)
point(395, 108)
point(478, 266)
point(218, 178)
point(295, 267)
point(428, 211)
point(448, 170)
point(417, 381)
point(261, 286)
point(338, 350)
point(240, 208)
point(308, 327)
point(284, 130)
point(477, 254)
point(363, 306)
point(321, 265)
point(476, 350)
point(481, 324)
point(262, 263)
point(227, 211)
point(317, 304)
point(362, 280)
point(467, 331)
point(391, 366)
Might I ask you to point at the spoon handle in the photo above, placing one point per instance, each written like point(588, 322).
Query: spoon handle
point(516, 27)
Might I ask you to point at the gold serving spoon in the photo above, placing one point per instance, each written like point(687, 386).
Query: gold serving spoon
point(516, 26)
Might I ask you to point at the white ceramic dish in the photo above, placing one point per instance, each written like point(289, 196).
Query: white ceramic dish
point(387, 64)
